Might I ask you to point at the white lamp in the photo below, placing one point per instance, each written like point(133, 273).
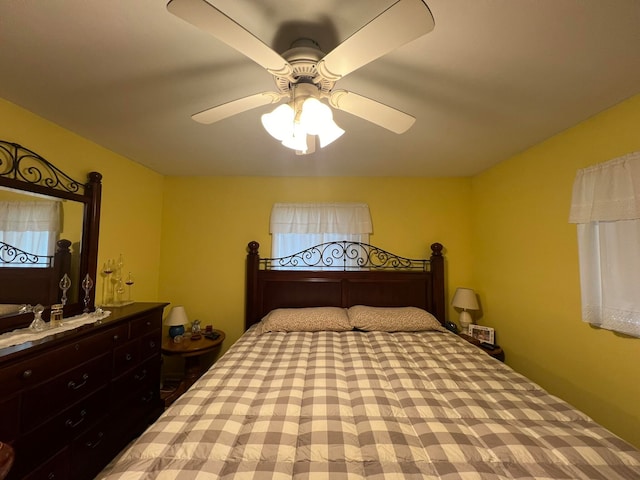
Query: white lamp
point(176, 321)
point(465, 299)
point(305, 115)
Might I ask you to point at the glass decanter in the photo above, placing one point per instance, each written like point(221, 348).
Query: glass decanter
point(38, 324)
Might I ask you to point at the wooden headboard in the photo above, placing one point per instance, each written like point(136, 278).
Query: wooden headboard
point(343, 274)
point(39, 284)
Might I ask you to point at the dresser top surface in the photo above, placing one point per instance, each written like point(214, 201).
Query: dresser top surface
point(118, 314)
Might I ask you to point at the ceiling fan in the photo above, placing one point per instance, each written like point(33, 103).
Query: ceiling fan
point(304, 74)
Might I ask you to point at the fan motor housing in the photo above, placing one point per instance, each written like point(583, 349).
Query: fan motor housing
point(303, 56)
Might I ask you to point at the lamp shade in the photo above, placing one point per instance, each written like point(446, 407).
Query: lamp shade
point(279, 123)
point(177, 316)
point(465, 298)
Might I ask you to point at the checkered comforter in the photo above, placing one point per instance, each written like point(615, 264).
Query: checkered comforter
point(375, 405)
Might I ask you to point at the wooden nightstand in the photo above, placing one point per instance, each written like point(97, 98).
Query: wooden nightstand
point(191, 351)
point(497, 352)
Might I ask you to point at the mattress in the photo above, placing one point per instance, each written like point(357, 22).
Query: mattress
point(374, 405)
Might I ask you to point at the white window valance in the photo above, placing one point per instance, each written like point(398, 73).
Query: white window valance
point(346, 218)
point(609, 191)
point(29, 216)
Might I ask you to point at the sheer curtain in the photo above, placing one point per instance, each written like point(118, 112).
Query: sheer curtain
point(30, 226)
point(297, 226)
point(606, 209)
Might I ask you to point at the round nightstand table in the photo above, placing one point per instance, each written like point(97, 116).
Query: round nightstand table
point(497, 352)
point(191, 351)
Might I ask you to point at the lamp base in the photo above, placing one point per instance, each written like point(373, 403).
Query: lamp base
point(465, 320)
point(176, 330)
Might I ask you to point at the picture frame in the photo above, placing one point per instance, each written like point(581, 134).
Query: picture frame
point(482, 334)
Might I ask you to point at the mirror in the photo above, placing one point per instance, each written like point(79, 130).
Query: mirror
point(26, 179)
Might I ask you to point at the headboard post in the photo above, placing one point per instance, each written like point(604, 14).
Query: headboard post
point(437, 282)
point(253, 264)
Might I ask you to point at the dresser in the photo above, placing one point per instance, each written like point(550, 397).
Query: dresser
point(69, 403)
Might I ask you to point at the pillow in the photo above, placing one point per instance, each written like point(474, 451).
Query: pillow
point(308, 319)
point(393, 319)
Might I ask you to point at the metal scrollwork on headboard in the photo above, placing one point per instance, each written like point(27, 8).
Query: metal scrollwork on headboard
point(20, 163)
point(343, 256)
point(13, 255)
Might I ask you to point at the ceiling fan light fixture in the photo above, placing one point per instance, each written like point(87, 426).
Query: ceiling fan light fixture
point(297, 140)
point(279, 123)
point(314, 115)
point(291, 123)
point(330, 133)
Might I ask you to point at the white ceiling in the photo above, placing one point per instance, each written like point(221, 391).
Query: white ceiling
point(493, 78)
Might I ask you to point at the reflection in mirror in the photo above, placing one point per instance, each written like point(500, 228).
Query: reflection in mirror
point(48, 228)
point(30, 227)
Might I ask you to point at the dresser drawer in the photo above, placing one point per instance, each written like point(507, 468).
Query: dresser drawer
point(56, 467)
point(145, 324)
point(126, 357)
point(9, 416)
point(150, 344)
point(92, 450)
point(63, 428)
point(64, 390)
point(146, 375)
point(40, 368)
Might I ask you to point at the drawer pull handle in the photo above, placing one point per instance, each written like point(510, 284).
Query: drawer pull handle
point(128, 357)
point(96, 442)
point(51, 476)
point(116, 338)
point(147, 398)
point(75, 386)
point(71, 424)
point(27, 374)
point(148, 323)
point(152, 344)
point(141, 376)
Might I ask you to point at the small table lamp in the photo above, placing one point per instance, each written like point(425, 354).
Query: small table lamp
point(465, 298)
point(176, 320)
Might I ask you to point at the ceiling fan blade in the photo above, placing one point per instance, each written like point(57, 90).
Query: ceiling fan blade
point(208, 18)
point(375, 112)
point(215, 114)
point(401, 23)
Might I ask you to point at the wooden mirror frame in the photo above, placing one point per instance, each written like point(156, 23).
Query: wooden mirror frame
point(25, 170)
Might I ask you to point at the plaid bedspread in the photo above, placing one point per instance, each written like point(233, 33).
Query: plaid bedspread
point(356, 405)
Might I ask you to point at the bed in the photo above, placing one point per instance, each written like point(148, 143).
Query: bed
point(345, 372)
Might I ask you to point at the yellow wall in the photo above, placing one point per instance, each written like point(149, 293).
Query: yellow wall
point(526, 271)
point(208, 221)
point(505, 234)
point(131, 197)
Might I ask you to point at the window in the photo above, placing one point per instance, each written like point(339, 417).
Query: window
point(31, 227)
point(298, 226)
point(606, 209)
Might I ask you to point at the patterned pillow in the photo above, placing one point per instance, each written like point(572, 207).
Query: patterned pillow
point(309, 319)
point(393, 319)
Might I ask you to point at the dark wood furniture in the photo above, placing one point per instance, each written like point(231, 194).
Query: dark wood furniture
point(70, 402)
point(35, 285)
point(23, 170)
point(193, 352)
point(323, 276)
point(496, 352)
